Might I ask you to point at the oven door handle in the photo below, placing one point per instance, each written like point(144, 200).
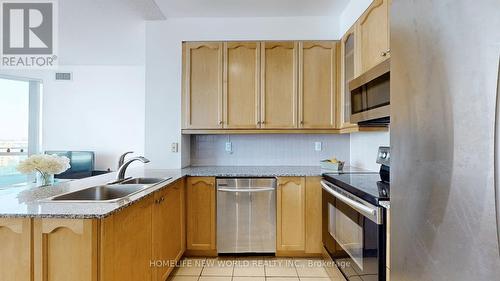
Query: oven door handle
point(356, 205)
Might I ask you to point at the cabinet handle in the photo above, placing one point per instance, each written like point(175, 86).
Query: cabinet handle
point(263, 122)
point(258, 123)
point(221, 122)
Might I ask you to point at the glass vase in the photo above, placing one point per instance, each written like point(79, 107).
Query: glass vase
point(44, 179)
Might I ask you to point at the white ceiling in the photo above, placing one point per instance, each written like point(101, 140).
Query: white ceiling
point(251, 8)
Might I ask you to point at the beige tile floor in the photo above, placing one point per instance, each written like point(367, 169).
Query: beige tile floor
point(254, 269)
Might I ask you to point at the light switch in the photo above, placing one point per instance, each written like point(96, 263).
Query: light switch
point(175, 147)
point(229, 147)
point(318, 146)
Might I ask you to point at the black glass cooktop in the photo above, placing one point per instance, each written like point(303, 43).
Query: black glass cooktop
point(366, 186)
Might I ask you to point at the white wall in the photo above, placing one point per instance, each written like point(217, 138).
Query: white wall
point(364, 147)
point(164, 64)
point(101, 110)
point(267, 150)
point(351, 13)
point(103, 44)
point(96, 32)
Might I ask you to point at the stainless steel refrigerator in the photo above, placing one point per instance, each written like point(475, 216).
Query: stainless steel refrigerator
point(444, 81)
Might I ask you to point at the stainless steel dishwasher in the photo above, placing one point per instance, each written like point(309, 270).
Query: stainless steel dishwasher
point(246, 215)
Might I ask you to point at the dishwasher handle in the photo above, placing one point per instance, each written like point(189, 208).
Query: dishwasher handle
point(246, 190)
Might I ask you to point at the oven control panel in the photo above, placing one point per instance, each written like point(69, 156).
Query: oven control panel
point(384, 156)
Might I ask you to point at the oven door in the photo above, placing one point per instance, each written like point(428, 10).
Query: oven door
point(353, 234)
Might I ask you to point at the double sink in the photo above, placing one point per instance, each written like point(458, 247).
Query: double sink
point(112, 192)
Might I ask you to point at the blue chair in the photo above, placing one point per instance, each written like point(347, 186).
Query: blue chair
point(82, 164)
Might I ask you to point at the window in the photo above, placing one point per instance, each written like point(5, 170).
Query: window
point(19, 126)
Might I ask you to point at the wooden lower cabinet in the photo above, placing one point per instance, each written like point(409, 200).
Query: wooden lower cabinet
point(65, 249)
point(314, 239)
point(168, 229)
point(290, 214)
point(126, 243)
point(298, 216)
point(141, 242)
point(16, 249)
point(201, 216)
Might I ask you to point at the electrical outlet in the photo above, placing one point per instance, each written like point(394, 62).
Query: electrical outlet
point(175, 147)
point(318, 146)
point(229, 147)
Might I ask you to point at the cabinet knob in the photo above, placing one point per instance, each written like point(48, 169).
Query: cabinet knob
point(383, 54)
point(301, 122)
point(258, 122)
point(263, 122)
point(221, 122)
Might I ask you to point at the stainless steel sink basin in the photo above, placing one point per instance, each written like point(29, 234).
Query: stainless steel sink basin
point(144, 181)
point(101, 193)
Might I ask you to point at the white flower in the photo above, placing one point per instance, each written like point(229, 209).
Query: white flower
point(44, 163)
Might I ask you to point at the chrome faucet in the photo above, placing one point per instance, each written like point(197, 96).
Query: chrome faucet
point(123, 168)
point(122, 158)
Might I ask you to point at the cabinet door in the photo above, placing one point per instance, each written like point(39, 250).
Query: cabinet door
point(314, 241)
point(202, 85)
point(200, 200)
point(126, 239)
point(279, 85)
point(168, 228)
point(15, 255)
point(317, 84)
point(241, 85)
point(65, 249)
point(350, 65)
point(374, 34)
point(290, 220)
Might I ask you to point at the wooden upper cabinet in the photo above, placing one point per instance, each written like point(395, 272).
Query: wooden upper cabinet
point(317, 73)
point(202, 85)
point(350, 68)
point(241, 85)
point(200, 211)
point(290, 214)
point(279, 85)
point(373, 28)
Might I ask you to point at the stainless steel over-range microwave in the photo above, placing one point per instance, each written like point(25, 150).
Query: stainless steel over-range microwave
point(370, 95)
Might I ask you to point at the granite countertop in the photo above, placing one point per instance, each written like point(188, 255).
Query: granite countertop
point(26, 200)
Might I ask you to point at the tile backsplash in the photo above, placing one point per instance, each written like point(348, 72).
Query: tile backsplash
point(267, 150)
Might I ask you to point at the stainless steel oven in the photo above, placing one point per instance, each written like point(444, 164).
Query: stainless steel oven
point(353, 233)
